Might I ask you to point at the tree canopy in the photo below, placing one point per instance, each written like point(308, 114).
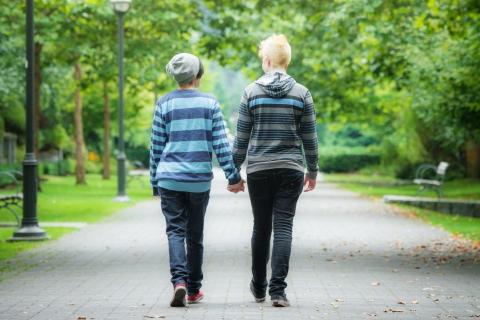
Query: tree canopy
point(404, 72)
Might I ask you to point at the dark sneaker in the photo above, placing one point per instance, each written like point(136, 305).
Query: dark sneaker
point(194, 298)
point(259, 296)
point(179, 293)
point(280, 301)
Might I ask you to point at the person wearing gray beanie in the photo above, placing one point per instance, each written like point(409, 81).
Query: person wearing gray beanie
point(187, 129)
point(185, 68)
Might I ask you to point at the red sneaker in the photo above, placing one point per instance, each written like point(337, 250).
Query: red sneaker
point(178, 299)
point(195, 298)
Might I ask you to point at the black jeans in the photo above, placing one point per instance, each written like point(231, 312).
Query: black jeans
point(184, 215)
point(273, 195)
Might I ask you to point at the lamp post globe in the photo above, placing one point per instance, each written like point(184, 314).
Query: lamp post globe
point(121, 7)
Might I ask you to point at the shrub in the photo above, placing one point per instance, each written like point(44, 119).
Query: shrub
point(345, 159)
point(57, 168)
point(5, 180)
point(93, 167)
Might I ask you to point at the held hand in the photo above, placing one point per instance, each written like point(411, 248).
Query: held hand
point(156, 193)
point(235, 188)
point(309, 184)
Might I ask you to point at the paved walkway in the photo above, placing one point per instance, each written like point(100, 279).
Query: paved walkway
point(352, 259)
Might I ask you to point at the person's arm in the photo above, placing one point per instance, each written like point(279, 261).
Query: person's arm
point(157, 144)
point(244, 129)
point(308, 131)
point(221, 147)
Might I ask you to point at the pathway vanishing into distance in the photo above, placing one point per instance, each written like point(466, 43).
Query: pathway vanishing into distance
point(353, 258)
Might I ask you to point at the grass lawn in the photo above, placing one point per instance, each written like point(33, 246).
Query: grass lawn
point(381, 185)
point(62, 201)
point(378, 186)
point(10, 250)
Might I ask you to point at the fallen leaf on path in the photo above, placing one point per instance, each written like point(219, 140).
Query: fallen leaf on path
point(401, 302)
point(153, 316)
point(393, 310)
point(375, 284)
point(81, 318)
point(339, 300)
point(414, 302)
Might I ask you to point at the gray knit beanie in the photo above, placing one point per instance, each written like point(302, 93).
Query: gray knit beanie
point(183, 67)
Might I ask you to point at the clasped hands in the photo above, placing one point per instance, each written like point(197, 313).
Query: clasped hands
point(237, 187)
point(308, 183)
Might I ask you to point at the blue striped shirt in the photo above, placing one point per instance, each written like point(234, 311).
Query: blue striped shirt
point(187, 129)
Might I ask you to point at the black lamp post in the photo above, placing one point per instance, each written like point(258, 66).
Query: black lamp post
point(29, 230)
point(121, 7)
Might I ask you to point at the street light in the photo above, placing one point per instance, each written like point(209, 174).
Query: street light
point(121, 7)
point(29, 230)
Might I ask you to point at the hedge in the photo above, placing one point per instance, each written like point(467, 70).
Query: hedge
point(56, 168)
point(347, 159)
point(5, 180)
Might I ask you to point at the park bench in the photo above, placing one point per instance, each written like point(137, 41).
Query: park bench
point(431, 177)
point(12, 200)
point(138, 173)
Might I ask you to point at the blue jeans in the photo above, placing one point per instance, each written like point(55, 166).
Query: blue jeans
point(184, 216)
point(273, 194)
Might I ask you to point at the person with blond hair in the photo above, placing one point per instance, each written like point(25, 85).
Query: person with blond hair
point(276, 133)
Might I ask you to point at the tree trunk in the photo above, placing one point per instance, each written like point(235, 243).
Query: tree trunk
point(78, 123)
point(106, 132)
point(473, 159)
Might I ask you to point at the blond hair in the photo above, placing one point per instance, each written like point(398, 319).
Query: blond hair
point(277, 49)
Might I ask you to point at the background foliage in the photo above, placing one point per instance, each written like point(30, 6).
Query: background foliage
point(397, 77)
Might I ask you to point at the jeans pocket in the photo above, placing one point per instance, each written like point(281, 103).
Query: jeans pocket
point(167, 194)
point(293, 183)
point(258, 184)
point(201, 198)
point(258, 176)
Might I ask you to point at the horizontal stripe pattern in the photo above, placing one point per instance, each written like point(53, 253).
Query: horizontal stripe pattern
point(187, 128)
point(276, 102)
point(276, 130)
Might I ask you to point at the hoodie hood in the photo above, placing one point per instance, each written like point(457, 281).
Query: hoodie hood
point(276, 84)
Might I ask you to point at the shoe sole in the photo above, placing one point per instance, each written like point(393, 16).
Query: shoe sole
point(178, 299)
point(280, 303)
point(259, 300)
point(195, 301)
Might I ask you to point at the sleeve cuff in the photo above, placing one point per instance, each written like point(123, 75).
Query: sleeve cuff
point(156, 192)
point(312, 174)
point(235, 179)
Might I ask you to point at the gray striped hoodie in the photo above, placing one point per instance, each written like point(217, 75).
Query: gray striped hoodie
point(276, 126)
